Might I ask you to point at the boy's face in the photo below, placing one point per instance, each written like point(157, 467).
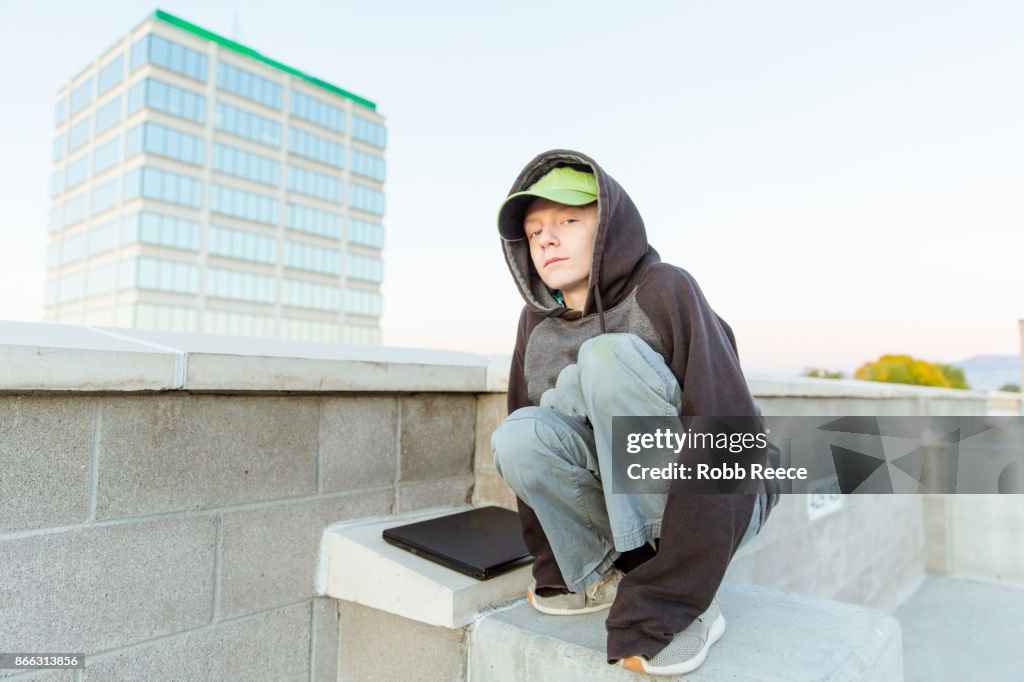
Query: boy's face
point(561, 242)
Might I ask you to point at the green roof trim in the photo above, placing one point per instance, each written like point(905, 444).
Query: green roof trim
point(249, 52)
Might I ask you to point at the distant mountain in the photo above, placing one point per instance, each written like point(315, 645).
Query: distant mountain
point(988, 372)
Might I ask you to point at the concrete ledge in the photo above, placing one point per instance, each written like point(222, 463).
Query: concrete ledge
point(770, 635)
point(356, 565)
point(60, 357)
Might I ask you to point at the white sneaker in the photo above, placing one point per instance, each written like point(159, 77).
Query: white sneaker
point(597, 597)
point(687, 650)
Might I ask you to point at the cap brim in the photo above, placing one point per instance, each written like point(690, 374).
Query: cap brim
point(510, 215)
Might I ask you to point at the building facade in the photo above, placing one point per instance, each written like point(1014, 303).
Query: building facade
point(200, 186)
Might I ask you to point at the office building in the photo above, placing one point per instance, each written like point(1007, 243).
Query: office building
point(201, 186)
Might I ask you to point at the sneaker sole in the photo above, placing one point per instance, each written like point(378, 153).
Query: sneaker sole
point(640, 665)
point(565, 612)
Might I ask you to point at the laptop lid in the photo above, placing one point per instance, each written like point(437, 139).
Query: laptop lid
point(482, 542)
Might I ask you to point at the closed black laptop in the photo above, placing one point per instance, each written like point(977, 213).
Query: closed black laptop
point(482, 542)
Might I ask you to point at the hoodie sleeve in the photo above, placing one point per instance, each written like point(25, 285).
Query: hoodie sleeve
point(545, 568)
point(699, 532)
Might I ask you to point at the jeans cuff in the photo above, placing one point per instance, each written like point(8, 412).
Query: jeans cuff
point(633, 539)
point(595, 575)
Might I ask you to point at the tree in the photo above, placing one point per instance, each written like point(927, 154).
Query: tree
point(954, 375)
point(903, 369)
point(1013, 388)
point(821, 373)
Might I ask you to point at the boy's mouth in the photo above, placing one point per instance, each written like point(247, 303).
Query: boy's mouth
point(549, 261)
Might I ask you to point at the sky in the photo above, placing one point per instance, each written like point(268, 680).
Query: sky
point(843, 179)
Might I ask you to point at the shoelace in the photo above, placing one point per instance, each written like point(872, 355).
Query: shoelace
point(593, 589)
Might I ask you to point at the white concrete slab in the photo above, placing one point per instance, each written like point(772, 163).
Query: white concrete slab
point(37, 356)
point(42, 356)
point(357, 565)
point(770, 635)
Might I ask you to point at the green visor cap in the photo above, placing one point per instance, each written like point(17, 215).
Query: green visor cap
point(563, 185)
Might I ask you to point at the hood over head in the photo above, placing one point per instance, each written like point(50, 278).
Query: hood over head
point(620, 254)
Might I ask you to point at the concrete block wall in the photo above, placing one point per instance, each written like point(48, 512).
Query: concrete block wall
point(162, 496)
point(171, 535)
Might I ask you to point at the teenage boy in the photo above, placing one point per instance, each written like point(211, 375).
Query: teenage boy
point(607, 330)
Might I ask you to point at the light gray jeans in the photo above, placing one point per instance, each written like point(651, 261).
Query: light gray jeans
point(553, 455)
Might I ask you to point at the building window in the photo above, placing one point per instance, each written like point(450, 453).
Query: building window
point(301, 294)
point(104, 197)
point(313, 258)
point(170, 55)
point(101, 238)
point(74, 210)
point(60, 112)
point(157, 184)
point(157, 139)
point(243, 245)
point(310, 330)
point(166, 317)
point(314, 184)
point(79, 134)
point(361, 335)
point(255, 167)
point(155, 228)
point(167, 98)
point(70, 288)
point(369, 165)
point(362, 302)
point(242, 204)
point(243, 286)
point(314, 221)
point(72, 249)
point(315, 111)
point(315, 147)
point(108, 115)
point(369, 131)
point(81, 96)
point(366, 199)
point(99, 280)
point(248, 125)
point(365, 267)
point(248, 85)
point(76, 172)
point(158, 274)
point(111, 74)
point(106, 156)
point(237, 324)
point(365, 233)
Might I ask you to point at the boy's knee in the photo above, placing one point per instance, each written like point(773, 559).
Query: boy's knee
point(602, 356)
point(513, 440)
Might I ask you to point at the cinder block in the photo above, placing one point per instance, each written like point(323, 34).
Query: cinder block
point(448, 492)
point(325, 639)
point(266, 646)
point(490, 488)
point(491, 410)
point(45, 458)
point(358, 442)
point(179, 452)
point(376, 645)
point(437, 436)
point(269, 554)
point(95, 588)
